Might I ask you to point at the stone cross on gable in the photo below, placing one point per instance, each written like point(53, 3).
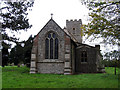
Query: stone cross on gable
point(51, 15)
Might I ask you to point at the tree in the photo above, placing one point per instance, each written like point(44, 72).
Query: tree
point(113, 58)
point(16, 54)
point(21, 53)
point(104, 21)
point(27, 50)
point(14, 18)
point(5, 54)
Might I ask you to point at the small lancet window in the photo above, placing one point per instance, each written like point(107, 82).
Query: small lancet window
point(83, 56)
point(46, 48)
point(56, 48)
point(51, 46)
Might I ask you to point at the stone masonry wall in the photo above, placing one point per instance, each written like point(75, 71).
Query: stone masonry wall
point(49, 65)
point(86, 67)
point(56, 68)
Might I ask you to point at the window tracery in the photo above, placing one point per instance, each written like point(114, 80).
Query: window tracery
point(51, 46)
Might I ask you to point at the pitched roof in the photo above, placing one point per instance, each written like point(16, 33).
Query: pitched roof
point(81, 44)
point(65, 31)
point(68, 33)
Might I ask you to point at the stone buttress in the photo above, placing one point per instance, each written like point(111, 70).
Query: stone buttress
point(33, 66)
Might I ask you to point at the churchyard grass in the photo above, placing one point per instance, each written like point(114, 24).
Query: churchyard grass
point(19, 77)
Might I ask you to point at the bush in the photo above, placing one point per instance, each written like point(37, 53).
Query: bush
point(111, 63)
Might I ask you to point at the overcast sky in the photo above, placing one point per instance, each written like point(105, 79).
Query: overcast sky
point(62, 10)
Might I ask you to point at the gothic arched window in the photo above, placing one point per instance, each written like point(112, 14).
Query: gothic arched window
point(83, 56)
point(51, 46)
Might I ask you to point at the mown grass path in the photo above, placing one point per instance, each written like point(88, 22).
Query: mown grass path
point(19, 77)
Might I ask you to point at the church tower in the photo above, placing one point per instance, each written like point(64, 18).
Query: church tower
point(74, 27)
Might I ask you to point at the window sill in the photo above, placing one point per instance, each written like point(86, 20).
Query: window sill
point(50, 60)
point(84, 62)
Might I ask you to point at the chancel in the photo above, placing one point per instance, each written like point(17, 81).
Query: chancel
point(61, 51)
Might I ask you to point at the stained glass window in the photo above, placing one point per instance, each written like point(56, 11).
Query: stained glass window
point(46, 48)
point(51, 46)
point(49, 35)
point(56, 48)
point(53, 35)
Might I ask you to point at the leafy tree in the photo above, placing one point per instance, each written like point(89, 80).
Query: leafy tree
point(27, 50)
point(5, 54)
point(16, 54)
point(12, 56)
point(21, 53)
point(113, 58)
point(14, 18)
point(104, 21)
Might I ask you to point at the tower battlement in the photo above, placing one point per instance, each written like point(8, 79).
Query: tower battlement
point(74, 21)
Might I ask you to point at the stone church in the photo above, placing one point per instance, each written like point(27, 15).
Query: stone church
point(61, 51)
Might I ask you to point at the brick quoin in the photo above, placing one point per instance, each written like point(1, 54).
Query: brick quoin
point(67, 40)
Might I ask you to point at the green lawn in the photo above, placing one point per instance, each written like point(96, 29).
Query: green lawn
point(14, 77)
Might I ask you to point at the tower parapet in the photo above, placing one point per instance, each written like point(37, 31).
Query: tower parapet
point(73, 21)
